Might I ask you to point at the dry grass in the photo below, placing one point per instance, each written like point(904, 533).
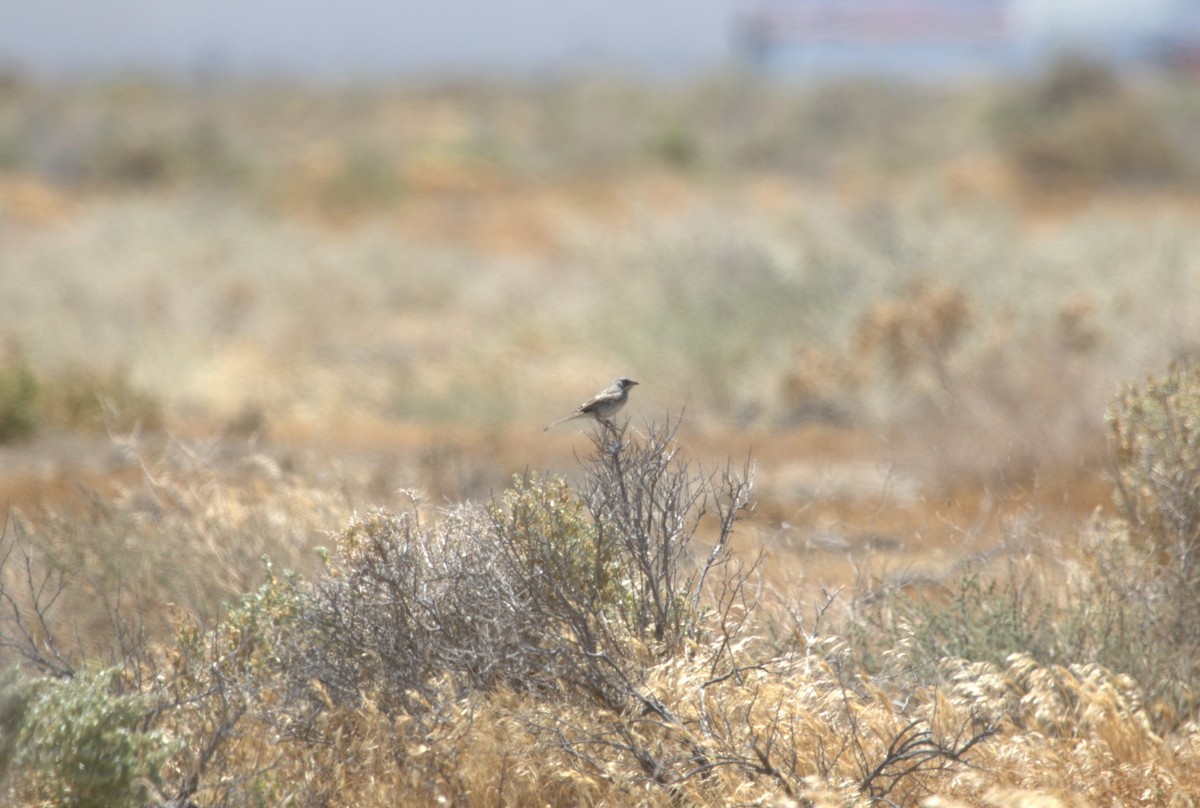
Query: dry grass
point(285, 304)
point(757, 705)
point(727, 286)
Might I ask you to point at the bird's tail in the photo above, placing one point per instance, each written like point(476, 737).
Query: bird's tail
point(570, 417)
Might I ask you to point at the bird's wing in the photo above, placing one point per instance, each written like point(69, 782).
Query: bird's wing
point(597, 400)
point(589, 407)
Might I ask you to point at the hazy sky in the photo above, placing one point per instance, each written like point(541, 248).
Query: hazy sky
point(351, 35)
point(338, 37)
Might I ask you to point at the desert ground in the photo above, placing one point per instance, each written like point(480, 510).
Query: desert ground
point(277, 357)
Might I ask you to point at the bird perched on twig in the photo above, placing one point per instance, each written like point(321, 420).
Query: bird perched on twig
point(604, 405)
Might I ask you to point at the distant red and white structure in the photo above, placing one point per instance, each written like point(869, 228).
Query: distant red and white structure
point(874, 21)
point(984, 34)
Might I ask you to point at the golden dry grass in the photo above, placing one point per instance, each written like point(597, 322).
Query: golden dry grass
point(1076, 736)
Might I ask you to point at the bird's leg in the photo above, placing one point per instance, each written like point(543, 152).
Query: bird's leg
point(616, 444)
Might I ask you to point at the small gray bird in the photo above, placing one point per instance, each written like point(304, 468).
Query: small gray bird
point(604, 405)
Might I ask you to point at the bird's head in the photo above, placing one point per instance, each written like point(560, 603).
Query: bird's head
point(625, 382)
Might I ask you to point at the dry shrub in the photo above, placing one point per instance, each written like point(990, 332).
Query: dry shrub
point(918, 332)
point(1123, 594)
point(1156, 438)
point(422, 620)
point(471, 750)
point(544, 590)
point(1080, 125)
point(760, 729)
point(138, 581)
point(405, 600)
point(714, 725)
point(984, 397)
point(190, 532)
point(218, 687)
point(1156, 442)
point(820, 386)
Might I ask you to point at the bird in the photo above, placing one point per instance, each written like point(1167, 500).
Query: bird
point(604, 405)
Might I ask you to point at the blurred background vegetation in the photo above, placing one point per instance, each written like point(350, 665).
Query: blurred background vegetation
point(854, 252)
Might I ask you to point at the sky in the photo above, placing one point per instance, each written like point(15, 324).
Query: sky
point(348, 36)
point(338, 38)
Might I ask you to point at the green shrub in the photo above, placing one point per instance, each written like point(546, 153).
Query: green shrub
point(675, 147)
point(972, 616)
point(74, 398)
point(18, 399)
point(554, 544)
point(78, 741)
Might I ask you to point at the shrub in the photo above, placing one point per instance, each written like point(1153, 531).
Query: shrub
point(647, 503)
point(79, 742)
point(75, 398)
point(1156, 442)
point(719, 311)
point(675, 147)
point(571, 573)
point(1133, 605)
point(562, 643)
point(918, 333)
point(406, 599)
point(133, 156)
point(18, 399)
point(360, 181)
point(1156, 438)
point(220, 688)
point(84, 398)
point(542, 590)
point(970, 616)
point(1080, 125)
